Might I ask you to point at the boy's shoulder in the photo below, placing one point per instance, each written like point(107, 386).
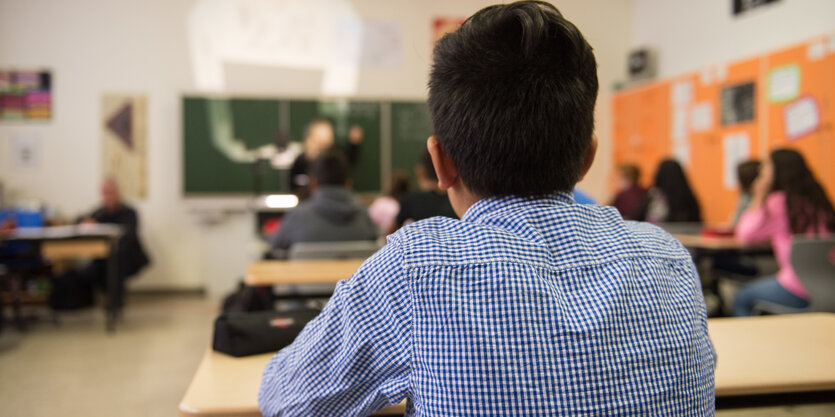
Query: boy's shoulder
point(442, 240)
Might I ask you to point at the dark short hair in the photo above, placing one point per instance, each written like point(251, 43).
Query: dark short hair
point(512, 95)
point(331, 168)
point(630, 172)
point(400, 184)
point(746, 173)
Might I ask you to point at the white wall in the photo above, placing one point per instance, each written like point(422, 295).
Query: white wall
point(690, 35)
point(94, 47)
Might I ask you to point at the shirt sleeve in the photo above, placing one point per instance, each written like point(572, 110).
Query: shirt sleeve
point(761, 224)
point(353, 359)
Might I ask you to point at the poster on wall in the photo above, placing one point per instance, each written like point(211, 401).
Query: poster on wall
point(25, 95)
point(443, 25)
point(737, 103)
point(123, 132)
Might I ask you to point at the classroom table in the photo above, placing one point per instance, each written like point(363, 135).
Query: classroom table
point(777, 359)
point(82, 241)
point(225, 386)
point(301, 272)
point(760, 360)
point(708, 248)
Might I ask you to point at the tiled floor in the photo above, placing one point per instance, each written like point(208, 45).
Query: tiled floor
point(79, 370)
point(143, 370)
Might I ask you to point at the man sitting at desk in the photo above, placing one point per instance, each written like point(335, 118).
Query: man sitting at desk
point(331, 214)
point(531, 304)
point(131, 254)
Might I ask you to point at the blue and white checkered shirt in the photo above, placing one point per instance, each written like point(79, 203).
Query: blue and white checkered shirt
point(524, 307)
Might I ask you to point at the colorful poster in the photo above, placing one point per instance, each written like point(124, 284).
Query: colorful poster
point(25, 95)
point(123, 135)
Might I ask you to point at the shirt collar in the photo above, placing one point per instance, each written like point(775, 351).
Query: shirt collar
point(498, 204)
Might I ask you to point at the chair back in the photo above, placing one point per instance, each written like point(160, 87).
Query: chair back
point(333, 250)
point(813, 260)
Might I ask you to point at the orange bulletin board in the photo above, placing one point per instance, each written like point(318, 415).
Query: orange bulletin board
point(686, 118)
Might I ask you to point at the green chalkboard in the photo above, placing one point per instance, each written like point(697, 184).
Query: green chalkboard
point(212, 130)
point(410, 127)
point(221, 137)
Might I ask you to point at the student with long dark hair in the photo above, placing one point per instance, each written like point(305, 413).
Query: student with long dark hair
point(670, 200)
point(786, 201)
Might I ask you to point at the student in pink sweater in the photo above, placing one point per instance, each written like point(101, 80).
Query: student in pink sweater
point(786, 200)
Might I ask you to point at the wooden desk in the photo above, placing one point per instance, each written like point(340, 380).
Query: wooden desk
point(75, 249)
point(225, 386)
point(774, 354)
point(82, 241)
point(756, 355)
point(301, 272)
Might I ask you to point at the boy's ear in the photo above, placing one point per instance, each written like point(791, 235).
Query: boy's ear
point(588, 157)
point(444, 167)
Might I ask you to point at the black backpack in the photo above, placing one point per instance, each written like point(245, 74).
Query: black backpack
point(251, 333)
point(247, 299)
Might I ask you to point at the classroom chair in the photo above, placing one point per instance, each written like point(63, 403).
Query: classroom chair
point(813, 260)
point(355, 249)
point(333, 250)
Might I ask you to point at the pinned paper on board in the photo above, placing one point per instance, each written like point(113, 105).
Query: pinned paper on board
point(721, 73)
point(681, 153)
point(682, 93)
point(701, 117)
point(784, 83)
point(26, 150)
point(706, 76)
point(816, 51)
point(679, 125)
point(736, 149)
point(801, 117)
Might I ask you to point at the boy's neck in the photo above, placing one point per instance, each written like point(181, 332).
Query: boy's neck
point(462, 198)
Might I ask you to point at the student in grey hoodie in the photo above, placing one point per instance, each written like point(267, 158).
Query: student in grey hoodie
point(331, 214)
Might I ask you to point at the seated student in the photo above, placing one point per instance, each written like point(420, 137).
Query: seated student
point(630, 193)
point(530, 304)
point(318, 137)
point(746, 173)
point(670, 200)
point(383, 211)
point(331, 214)
point(740, 266)
point(131, 254)
point(786, 200)
point(428, 202)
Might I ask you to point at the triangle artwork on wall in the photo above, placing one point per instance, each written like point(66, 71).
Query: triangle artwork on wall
point(121, 124)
